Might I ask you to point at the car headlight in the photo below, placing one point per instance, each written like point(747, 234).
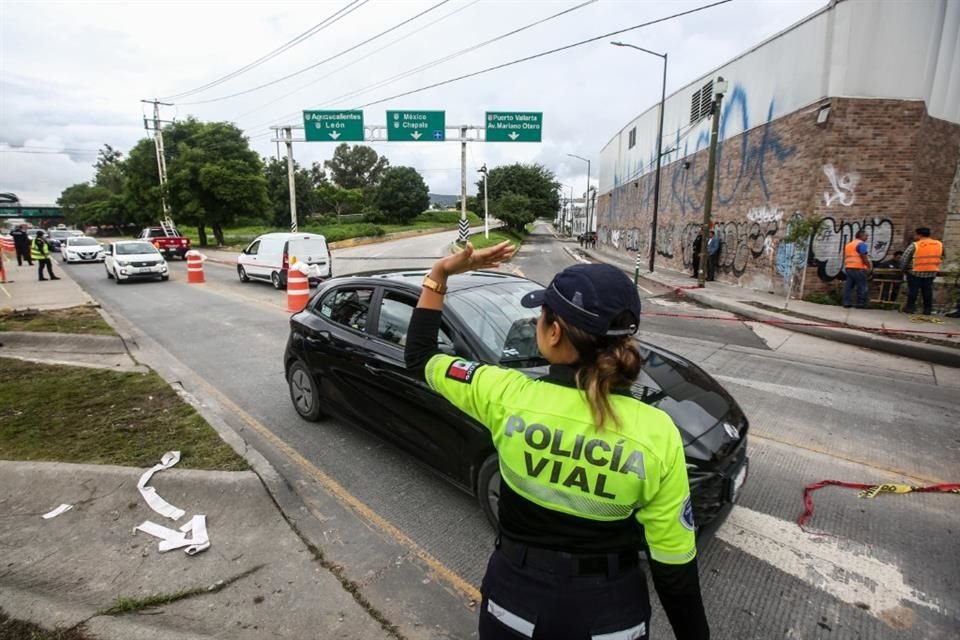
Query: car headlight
point(122, 263)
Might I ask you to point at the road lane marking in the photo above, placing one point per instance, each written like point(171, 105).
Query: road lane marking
point(847, 570)
point(440, 571)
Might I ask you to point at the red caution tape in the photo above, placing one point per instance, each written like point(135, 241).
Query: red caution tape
point(866, 491)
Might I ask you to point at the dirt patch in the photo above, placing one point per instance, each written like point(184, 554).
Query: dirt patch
point(12, 629)
point(82, 319)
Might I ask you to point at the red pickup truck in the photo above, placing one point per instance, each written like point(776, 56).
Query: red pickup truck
point(168, 243)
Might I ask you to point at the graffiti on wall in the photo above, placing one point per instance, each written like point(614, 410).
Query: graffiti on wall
point(791, 256)
point(844, 186)
point(740, 243)
point(826, 247)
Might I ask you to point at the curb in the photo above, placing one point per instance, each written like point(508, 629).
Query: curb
point(62, 342)
point(926, 352)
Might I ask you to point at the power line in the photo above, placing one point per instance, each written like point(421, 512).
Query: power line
point(446, 58)
point(324, 61)
point(312, 31)
point(360, 59)
point(544, 53)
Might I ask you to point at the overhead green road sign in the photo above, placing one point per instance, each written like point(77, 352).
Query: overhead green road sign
point(333, 126)
point(416, 126)
point(514, 126)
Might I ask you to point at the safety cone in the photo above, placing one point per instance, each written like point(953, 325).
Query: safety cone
point(298, 289)
point(194, 267)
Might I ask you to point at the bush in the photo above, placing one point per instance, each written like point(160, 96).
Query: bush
point(374, 216)
point(334, 233)
point(833, 296)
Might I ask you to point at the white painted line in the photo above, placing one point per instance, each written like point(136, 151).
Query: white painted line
point(63, 508)
point(847, 570)
point(645, 290)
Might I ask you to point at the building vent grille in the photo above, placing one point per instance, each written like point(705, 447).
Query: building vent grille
point(700, 102)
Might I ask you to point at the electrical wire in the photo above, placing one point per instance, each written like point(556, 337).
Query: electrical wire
point(321, 62)
point(433, 63)
point(544, 53)
point(312, 31)
point(360, 59)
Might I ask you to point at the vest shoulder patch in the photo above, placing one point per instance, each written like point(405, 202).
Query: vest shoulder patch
point(462, 370)
point(686, 515)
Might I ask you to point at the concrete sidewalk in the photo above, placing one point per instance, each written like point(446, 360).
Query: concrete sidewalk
point(23, 289)
point(69, 569)
point(882, 330)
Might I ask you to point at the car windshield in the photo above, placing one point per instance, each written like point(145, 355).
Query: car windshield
point(82, 242)
point(130, 248)
point(494, 315)
point(59, 235)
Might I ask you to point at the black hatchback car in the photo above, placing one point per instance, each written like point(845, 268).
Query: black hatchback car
point(344, 358)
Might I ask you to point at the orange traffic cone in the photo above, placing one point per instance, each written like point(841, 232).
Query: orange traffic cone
point(298, 289)
point(194, 267)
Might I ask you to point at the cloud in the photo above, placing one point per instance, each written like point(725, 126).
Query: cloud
point(76, 72)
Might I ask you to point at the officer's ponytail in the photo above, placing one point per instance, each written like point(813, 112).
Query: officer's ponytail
point(605, 363)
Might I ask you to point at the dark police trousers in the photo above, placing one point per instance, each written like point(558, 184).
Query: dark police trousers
point(539, 594)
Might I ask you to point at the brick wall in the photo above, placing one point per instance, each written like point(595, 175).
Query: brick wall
point(881, 165)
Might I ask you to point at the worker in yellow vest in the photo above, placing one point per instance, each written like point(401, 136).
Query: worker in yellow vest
point(856, 266)
point(921, 261)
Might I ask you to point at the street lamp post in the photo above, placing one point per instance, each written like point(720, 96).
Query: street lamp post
point(486, 209)
point(586, 194)
point(656, 179)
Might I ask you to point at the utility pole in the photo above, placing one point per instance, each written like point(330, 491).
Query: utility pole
point(586, 194)
point(161, 156)
point(464, 225)
point(291, 178)
point(486, 208)
point(720, 88)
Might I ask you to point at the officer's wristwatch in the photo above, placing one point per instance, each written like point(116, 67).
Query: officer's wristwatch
point(433, 285)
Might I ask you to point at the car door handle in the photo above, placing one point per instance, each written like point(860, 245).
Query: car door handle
point(324, 337)
point(372, 368)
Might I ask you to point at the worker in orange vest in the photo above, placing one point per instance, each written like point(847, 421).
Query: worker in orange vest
point(856, 265)
point(922, 261)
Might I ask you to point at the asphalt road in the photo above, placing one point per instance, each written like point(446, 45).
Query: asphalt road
point(818, 411)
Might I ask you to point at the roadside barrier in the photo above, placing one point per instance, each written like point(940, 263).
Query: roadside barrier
point(6, 245)
point(195, 267)
point(298, 288)
point(866, 491)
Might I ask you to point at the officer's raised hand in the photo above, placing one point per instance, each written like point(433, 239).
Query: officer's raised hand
point(470, 259)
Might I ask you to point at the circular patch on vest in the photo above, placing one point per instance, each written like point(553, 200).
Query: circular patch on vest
point(686, 515)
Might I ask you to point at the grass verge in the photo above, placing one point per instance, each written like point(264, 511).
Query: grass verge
point(93, 416)
point(23, 630)
point(82, 319)
point(496, 237)
point(131, 605)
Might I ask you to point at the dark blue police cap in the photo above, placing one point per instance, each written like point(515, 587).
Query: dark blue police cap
point(590, 297)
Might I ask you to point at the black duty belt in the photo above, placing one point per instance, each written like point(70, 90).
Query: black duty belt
point(568, 564)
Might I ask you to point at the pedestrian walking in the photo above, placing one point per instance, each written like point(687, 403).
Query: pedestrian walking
point(713, 255)
point(697, 246)
point(40, 251)
point(921, 262)
point(572, 521)
point(21, 244)
point(856, 265)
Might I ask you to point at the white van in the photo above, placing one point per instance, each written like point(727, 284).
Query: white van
point(269, 257)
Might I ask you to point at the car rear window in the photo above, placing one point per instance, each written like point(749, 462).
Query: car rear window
point(131, 248)
point(307, 248)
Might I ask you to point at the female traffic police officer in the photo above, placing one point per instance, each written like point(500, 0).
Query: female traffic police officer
point(587, 469)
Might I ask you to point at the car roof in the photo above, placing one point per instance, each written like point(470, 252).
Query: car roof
point(286, 235)
point(412, 278)
point(131, 242)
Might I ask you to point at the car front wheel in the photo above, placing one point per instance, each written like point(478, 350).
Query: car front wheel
point(276, 281)
point(242, 273)
point(304, 392)
point(488, 489)
point(107, 269)
point(116, 278)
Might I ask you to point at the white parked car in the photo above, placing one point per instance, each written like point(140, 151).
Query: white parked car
point(270, 256)
point(134, 259)
point(82, 249)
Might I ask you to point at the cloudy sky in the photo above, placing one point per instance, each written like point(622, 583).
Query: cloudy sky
point(72, 74)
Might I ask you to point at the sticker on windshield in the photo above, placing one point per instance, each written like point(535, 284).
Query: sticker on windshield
point(462, 370)
point(686, 515)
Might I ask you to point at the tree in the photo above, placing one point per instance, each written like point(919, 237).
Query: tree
point(515, 209)
point(534, 181)
point(402, 194)
point(213, 176)
point(333, 199)
point(278, 191)
point(141, 184)
point(356, 167)
point(100, 202)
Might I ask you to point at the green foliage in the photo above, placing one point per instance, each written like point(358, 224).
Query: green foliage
point(480, 241)
point(800, 230)
point(356, 167)
point(337, 232)
point(402, 194)
point(450, 216)
point(214, 176)
point(141, 184)
point(336, 201)
point(534, 181)
point(833, 296)
point(278, 191)
point(516, 210)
